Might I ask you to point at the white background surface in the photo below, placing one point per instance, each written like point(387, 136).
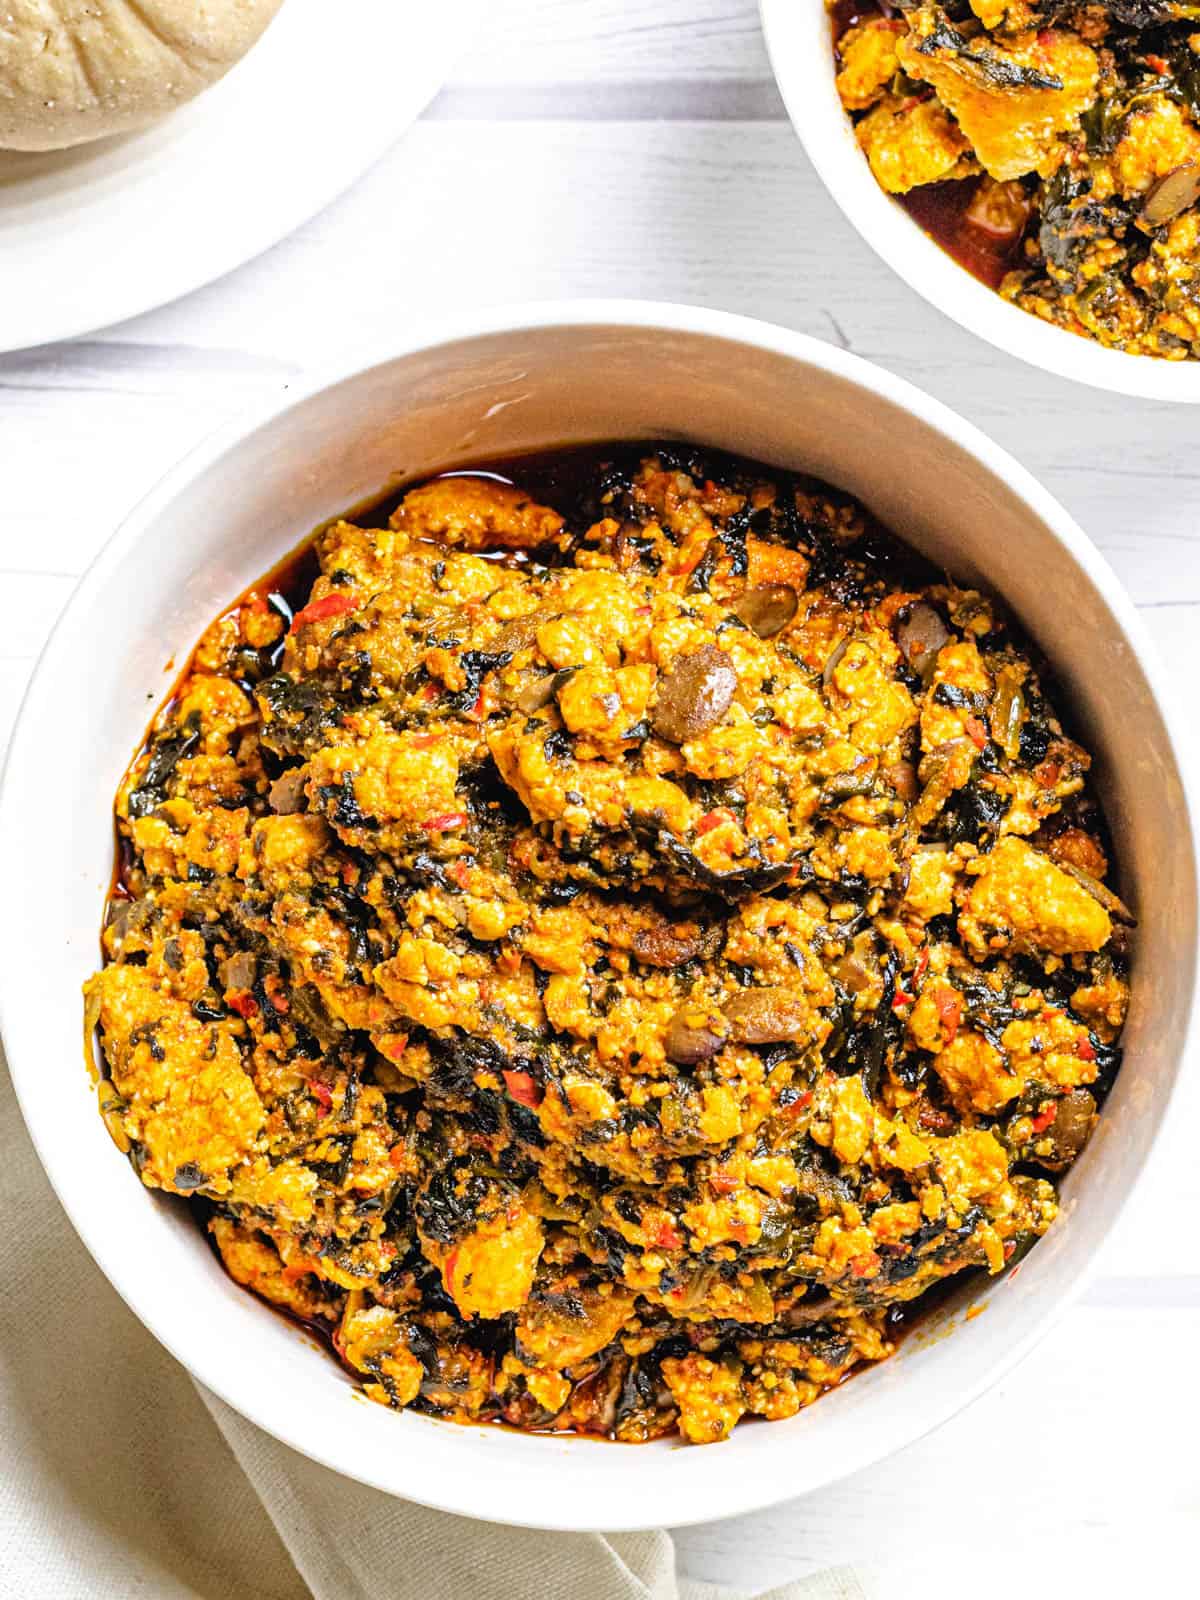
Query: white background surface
point(637, 147)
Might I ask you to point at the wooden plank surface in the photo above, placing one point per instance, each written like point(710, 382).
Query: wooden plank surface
point(638, 147)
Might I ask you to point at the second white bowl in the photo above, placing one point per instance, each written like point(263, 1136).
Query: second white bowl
point(800, 43)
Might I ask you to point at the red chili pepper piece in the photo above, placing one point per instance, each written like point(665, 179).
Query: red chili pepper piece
point(329, 605)
point(442, 824)
point(522, 1088)
point(244, 1003)
point(667, 1236)
point(321, 1093)
point(977, 732)
point(714, 819)
point(1042, 1121)
point(1085, 1050)
point(949, 1008)
point(902, 999)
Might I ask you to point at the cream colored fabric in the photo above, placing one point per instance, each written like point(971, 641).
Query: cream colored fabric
point(120, 1478)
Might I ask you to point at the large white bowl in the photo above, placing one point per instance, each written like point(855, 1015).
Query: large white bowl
point(800, 43)
point(487, 385)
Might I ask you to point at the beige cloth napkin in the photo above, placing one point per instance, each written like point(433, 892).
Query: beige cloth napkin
point(119, 1477)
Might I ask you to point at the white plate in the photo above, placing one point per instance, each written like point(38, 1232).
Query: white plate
point(93, 235)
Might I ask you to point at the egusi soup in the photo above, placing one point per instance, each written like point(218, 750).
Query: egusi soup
point(606, 938)
point(1052, 147)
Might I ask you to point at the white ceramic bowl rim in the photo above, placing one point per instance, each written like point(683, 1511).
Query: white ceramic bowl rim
point(698, 1486)
point(798, 42)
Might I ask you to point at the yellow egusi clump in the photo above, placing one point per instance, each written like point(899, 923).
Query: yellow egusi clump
point(629, 934)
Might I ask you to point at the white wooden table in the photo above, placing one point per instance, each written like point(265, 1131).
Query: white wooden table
point(638, 147)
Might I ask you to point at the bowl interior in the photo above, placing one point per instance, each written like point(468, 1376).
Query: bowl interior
point(799, 40)
point(239, 504)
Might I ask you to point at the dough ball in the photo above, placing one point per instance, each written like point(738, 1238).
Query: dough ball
point(75, 70)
